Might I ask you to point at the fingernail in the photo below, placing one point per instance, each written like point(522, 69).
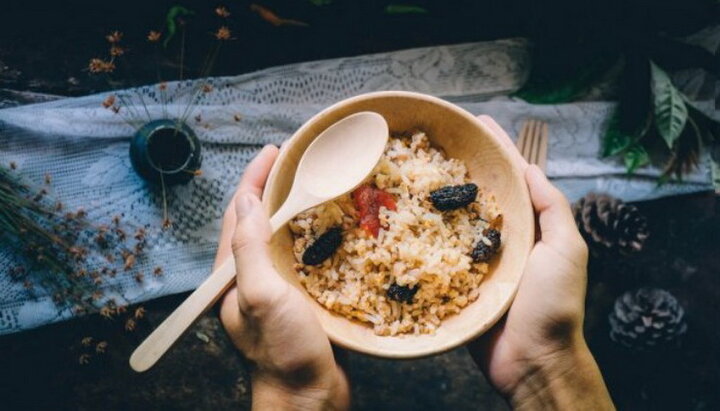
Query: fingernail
point(244, 205)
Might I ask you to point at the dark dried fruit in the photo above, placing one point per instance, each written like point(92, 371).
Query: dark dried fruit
point(452, 197)
point(494, 236)
point(482, 253)
point(402, 293)
point(323, 248)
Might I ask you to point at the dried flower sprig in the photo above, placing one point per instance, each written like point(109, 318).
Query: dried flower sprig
point(65, 254)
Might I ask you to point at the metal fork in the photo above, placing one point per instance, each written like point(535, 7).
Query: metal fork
point(533, 142)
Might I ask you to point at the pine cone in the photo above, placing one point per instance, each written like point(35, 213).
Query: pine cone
point(646, 318)
point(610, 225)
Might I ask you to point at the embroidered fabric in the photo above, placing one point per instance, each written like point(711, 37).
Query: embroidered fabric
point(85, 147)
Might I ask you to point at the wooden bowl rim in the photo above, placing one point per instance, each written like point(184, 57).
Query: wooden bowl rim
point(482, 326)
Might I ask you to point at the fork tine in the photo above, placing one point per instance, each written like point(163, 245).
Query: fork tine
point(543, 147)
point(527, 148)
point(522, 140)
point(532, 149)
point(532, 143)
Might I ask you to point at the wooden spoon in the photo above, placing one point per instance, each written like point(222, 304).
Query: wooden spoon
point(339, 159)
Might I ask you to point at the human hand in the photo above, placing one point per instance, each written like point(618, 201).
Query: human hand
point(537, 355)
point(268, 319)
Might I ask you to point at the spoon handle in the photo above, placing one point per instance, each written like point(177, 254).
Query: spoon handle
point(286, 212)
point(164, 336)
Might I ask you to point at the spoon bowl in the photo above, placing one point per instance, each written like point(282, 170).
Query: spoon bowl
point(338, 160)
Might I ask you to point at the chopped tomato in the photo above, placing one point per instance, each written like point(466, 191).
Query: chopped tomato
point(368, 201)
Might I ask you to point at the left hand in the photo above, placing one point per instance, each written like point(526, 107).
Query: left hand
point(269, 320)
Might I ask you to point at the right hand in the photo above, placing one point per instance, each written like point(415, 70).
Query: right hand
point(537, 355)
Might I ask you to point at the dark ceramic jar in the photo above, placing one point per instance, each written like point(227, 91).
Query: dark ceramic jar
point(165, 151)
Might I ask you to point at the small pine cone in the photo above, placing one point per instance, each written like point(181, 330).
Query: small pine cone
point(647, 318)
point(609, 225)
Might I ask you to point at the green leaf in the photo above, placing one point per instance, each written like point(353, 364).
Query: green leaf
point(615, 140)
point(321, 2)
point(404, 9)
point(635, 157)
point(670, 111)
point(170, 21)
point(563, 72)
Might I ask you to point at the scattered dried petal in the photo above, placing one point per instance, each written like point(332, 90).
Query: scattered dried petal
point(86, 341)
point(114, 37)
point(130, 324)
point(158, 271)
point(116, 51)
point(109, 101)
point(223, 33)
point(107, 312)
point(153, 36)
point(129, 262)
point(222, 11)
point(139, 312)
point(101, 347)
point(97, 65)
point(84, 359)
point(272, 18)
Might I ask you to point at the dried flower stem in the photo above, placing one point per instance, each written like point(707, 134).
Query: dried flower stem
point(182, 51)
point(207, 66)
point(163, 96)
point(164, 197)
point(139, 95)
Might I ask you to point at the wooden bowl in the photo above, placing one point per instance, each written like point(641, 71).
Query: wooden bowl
point(462, 136)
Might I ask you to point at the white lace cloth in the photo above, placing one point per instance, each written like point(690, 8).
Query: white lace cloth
point(85, 148)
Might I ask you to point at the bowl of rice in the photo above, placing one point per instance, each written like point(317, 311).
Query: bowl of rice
point(427, 253)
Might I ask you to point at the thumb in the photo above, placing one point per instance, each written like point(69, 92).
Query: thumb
point(253, 225)
point(557, 224)
point(256, 278)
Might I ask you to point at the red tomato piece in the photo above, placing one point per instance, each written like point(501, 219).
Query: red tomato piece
point(368, 201)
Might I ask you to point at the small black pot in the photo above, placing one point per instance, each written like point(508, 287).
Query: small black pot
point(167, 149)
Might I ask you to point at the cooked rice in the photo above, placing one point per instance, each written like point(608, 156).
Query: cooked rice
point(418, 245)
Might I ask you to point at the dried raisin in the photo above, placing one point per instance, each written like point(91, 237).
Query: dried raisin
point(323, 247)
point(482, 253)
point(452, 197)
point(402, 293)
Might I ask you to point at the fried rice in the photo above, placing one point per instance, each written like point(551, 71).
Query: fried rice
point(418, 247)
